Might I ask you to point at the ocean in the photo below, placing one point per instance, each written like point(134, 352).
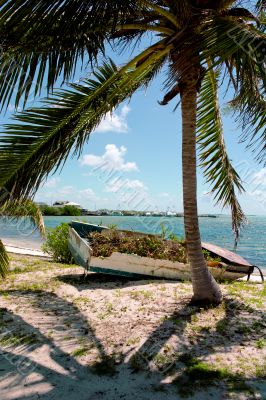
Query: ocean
point(251, 246)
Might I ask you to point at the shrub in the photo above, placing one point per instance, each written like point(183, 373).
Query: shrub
point(71, 211)
point(56, 244)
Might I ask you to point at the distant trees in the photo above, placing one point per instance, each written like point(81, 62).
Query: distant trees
point(60, 211)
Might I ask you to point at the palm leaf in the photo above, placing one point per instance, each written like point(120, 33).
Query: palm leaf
point(234, 37)
point(242, 48)
point(42, 138)
point(219, 172)
point(4, 260)
point(44, 41)
point(24, 209)
point(17, 209)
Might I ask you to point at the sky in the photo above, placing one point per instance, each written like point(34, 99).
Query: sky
point(133, 161)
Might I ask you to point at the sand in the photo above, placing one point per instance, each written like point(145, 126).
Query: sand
point(113, 338)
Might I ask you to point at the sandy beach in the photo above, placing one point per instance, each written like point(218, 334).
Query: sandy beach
point(114, 338)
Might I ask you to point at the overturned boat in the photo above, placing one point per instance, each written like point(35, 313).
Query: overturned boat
point(231, 267)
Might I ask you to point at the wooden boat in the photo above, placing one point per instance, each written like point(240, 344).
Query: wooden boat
point(232, 266)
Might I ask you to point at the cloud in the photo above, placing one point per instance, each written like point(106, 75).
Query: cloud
point(259, 178)
point(118, 185)
point(51, 183)
point(114, 122)
point(113, 159)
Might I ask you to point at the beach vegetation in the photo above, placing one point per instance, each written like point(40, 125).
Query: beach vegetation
point(81, 351)
point(56, 244)
point(197, 44)
point(261, 343)
point(204, 375)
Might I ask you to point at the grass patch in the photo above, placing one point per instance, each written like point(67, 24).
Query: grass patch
point(15, 339)
point(261, 371)
point(82, 300)
point(261, 343)
point(141, 294)
point(81, 351)
point(204, 375)
point(109, 309)
point(133, 341)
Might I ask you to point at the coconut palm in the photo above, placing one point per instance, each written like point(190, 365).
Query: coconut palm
point(196, 43)
point(15, 210)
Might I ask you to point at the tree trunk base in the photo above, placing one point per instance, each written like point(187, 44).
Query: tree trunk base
point(205, 302)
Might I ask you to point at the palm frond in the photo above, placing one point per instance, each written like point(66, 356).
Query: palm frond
point(260, 5)
point(42, 138)
point(223, 38)
point(218, 170)
point(243, 13)
point(43, 41)
point(4, 260)
point(14, 209)
point(242, 48)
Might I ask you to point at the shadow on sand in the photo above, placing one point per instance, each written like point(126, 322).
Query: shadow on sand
point(143, 374)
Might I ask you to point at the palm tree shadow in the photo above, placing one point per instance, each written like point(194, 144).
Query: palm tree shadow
point(62, 375)
point(21, 343)
point(233, 329)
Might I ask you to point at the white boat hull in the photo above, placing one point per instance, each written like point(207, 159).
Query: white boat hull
point(130, 265)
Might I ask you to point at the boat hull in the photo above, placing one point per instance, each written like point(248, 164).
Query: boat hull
point(130, 265)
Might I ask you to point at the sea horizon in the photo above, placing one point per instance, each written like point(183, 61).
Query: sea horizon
point(218, 231)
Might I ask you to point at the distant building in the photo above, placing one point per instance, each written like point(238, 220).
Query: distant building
point(59, 204)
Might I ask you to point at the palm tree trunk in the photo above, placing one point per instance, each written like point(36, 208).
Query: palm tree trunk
point(205, 288)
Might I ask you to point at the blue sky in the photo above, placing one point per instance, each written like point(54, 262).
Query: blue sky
point(133, 161)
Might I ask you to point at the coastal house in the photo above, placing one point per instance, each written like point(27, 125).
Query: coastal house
point(60, 204)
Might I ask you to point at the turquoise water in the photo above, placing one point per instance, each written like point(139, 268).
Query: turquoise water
point(252, 245)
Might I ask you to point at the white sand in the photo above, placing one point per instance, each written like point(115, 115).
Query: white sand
point(23, 251)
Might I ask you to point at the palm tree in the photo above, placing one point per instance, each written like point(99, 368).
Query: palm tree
point(14, 209)
point(197, 42)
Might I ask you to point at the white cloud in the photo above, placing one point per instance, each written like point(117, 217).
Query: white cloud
point(113, 159)
point(259, 178)
point(51, 183)
point(123, 184)
point(115, 122)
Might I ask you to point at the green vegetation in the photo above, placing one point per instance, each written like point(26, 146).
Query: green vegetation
point(60, 211)
point(15, 339)
point(56, 244)
point(157, 247)
point(261, 343)
point(204, 375)
point(81, 351)
point(104, 244)
point(198, 45)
